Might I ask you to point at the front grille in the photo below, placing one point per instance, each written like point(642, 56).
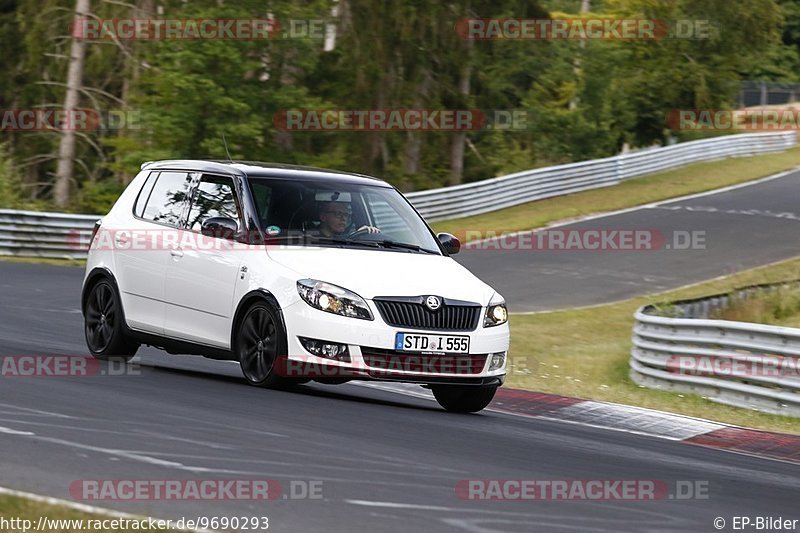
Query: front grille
point(384, 360)
point(412, 313)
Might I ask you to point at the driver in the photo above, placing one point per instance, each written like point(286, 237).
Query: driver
point(334, 219)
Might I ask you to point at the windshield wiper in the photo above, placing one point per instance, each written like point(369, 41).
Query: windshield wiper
point(334, 240)
point(407, 246)
point(374, 244)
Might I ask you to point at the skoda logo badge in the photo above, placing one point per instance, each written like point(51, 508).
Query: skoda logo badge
point(433, 303)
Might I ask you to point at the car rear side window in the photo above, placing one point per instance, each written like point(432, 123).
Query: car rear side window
point(168, 198)
point(144, 194)
point(214, 197)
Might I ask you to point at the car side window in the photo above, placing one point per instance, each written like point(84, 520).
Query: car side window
point(168, 198)
point(213, 197)
point(284, 209)
point(144, 194)
point(262, 195)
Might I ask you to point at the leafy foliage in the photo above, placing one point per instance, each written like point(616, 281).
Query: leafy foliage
point(583, 100)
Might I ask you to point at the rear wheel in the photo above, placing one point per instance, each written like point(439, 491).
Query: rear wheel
point(259, 344)
point(104, 324)
point(463, 398)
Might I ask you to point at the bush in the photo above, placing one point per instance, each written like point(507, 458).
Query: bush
point(97, 197)
point(11, 196)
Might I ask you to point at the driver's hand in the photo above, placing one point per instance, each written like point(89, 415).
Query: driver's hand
point(367, 229)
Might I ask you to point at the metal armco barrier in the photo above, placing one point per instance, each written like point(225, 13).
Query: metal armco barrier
point(62, 235)
point(51, 235)
point(521, 187)
point(744, 364)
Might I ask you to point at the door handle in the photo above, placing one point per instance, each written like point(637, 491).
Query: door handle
point(176, 252)
point(121, 239)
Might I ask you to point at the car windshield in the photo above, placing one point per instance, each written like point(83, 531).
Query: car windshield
point(325, 212)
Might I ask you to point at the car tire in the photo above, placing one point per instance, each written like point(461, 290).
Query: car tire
point(463, 398)
point(104, 324)
point(260, 343)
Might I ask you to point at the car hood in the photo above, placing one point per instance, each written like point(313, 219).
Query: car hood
point(372, 273)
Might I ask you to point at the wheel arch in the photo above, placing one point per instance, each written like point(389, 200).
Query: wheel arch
point(93, 277)
point(257, 295)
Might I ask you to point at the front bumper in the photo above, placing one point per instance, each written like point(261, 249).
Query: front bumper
point(372, 355)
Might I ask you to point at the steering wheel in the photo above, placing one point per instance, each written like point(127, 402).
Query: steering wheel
point(364, 230)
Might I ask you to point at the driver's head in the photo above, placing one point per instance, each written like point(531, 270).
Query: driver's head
point(334, 217)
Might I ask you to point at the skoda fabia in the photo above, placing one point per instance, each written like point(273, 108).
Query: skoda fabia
point(298, 274)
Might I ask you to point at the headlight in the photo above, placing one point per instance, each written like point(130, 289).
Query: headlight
point(496, 313)
point(333, 299)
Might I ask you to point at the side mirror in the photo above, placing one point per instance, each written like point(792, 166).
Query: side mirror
point(450, 242)
point(219, 227)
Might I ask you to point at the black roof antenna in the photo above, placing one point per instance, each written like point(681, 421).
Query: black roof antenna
point(226, 147)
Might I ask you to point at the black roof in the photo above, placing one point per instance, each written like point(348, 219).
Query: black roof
point(256, 169)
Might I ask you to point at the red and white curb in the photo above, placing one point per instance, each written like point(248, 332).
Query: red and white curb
point(629, 419)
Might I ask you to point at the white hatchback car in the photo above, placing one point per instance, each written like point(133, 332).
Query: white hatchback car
point(296, 273)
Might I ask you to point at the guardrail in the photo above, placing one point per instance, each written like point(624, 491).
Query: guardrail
point(51, 235)
point(744, 364)
point(62, 235)
point(514, 189)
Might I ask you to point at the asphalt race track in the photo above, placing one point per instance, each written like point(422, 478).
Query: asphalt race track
point(386, 461)
point(743, 228)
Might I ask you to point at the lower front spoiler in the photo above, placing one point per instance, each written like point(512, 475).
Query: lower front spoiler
point(488, 381)
point(322, 372)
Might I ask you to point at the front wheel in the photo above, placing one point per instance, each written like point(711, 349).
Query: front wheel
point(259, 346)
point(463, 398)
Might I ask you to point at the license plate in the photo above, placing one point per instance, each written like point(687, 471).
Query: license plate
point(421, 343)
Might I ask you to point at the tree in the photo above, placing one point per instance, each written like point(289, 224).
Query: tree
point(66, 149)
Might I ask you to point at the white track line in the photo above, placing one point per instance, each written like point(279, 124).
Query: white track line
point(651, 205)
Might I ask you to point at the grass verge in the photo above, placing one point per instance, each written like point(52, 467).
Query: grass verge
point(690, 179)
point(780, 307)
point(584, 352)
point(13, 507)
point(44, 261)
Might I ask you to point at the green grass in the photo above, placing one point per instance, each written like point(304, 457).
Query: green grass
point(26, 509)
point(584, 352)
point(691, 179)
point(779, 307)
